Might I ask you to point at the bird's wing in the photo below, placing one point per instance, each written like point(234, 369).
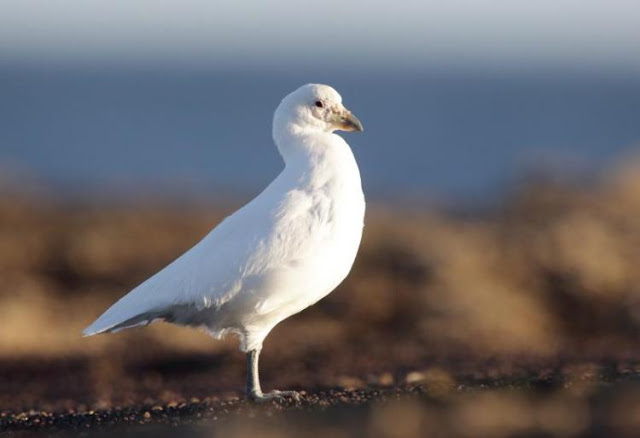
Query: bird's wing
point(205, 276)
point(251, 246)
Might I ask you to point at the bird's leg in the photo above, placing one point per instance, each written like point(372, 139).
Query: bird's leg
point(253, 379)
point(254, 392)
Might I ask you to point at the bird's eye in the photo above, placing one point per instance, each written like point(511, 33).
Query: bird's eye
point(319, 104)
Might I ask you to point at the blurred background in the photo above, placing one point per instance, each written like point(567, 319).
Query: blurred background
point(500, 159)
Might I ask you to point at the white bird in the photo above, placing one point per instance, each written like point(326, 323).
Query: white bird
point(279, 254)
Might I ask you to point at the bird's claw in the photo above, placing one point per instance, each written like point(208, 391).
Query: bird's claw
point(274, 395)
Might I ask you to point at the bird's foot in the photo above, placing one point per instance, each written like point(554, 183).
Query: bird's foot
point(274, 395)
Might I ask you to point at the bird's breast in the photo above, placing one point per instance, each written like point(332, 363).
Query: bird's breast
point(334, 221)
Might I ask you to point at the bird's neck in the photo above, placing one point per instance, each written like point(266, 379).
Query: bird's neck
point(318, 159)
point(302, 147)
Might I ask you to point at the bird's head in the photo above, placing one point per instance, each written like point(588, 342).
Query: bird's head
point(314, 107)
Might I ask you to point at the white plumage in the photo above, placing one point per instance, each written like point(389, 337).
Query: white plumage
point(282, 252)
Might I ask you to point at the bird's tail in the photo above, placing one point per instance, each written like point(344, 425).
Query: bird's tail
point(101, 326)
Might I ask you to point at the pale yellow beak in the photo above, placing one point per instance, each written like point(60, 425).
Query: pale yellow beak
point(344, 120)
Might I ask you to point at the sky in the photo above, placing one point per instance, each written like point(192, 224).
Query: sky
point(203, 62)
point(603, 33)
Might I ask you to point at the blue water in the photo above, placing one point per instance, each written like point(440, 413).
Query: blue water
point(437, 134)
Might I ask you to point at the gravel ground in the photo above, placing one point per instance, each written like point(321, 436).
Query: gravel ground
point(195, 411)
point(573, 399)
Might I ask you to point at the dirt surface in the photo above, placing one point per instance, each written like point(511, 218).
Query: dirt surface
point(589, 398)
point(195, 411)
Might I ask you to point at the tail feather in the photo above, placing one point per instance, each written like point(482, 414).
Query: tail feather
point(99, 326)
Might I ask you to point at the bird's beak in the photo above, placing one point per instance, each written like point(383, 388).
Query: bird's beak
point(344, 120)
